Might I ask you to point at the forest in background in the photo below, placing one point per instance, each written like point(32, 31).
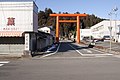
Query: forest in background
point(65, 28)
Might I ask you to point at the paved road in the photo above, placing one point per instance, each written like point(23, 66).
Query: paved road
point(66, 64)
point(66, 50)
point(106, 44)
point(70, 49)
point(3, 63)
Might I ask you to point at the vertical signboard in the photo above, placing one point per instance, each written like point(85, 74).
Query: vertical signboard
point(27, 41)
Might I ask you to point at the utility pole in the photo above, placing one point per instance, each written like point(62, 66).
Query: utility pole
point(115, 9)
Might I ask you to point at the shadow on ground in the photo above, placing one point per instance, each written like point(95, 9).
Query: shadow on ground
point(63, 47)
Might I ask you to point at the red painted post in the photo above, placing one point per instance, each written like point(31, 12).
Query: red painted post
point(57, 29)
point(70, 21)
point(78, 29)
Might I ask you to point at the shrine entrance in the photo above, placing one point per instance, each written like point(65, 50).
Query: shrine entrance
point(58, 21)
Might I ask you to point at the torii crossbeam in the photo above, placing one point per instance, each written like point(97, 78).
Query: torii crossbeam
point(70, 21)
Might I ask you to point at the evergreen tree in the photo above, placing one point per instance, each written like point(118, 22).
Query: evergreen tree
point(86, 22)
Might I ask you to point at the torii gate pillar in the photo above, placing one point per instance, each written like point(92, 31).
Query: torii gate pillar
point(68, 21)
point(57, 29)
point(78, 29)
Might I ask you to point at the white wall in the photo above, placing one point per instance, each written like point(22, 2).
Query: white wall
point(45, 29)
point(101, 29)
point(85, 33)
point(26, 18)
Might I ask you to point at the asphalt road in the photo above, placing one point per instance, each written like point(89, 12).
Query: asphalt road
point(68, 63)
point(106, 44)
point(68, 49)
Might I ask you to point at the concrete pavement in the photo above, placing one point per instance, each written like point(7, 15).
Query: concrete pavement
point(105, 46)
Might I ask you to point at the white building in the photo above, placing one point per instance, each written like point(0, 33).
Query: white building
point(101, 29)
point(85, 33)
point(17, 17)
point(47, 30)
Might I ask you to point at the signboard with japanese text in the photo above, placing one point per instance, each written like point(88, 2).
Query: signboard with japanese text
point(17, 17)
point(27, 40)
point(11, 21)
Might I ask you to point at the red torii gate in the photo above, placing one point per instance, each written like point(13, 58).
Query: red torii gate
point(68, 21)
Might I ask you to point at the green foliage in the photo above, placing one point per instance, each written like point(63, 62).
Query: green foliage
point(44, 19)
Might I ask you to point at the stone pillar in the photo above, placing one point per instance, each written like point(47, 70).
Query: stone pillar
point(27, 51)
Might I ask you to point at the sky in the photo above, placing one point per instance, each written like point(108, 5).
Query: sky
point(100, 8)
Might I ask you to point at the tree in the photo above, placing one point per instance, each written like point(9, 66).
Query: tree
point(86, 22)
point(41, 18)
